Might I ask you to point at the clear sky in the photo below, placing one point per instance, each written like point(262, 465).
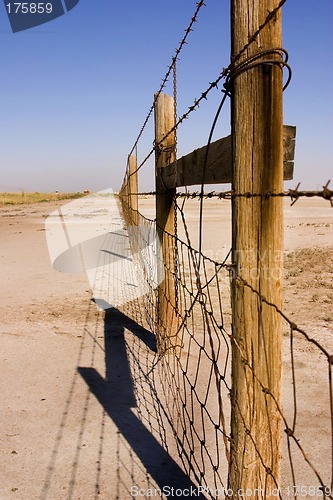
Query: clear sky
point(75, 91)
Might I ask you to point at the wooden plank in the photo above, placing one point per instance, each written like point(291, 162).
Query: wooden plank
point(188, 170)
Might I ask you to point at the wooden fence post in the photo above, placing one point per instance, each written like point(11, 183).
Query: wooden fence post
point(124, 197)
point(257, 253)
point(133, 189)
point(165, 221)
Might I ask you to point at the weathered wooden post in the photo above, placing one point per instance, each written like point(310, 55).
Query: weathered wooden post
point(165, 221)
point(133, 189)
point(257, 144)
point(124, 194)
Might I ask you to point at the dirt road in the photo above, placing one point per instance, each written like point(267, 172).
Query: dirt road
point(59, 438)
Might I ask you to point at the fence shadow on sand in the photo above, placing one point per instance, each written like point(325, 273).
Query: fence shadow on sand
point(116, 395)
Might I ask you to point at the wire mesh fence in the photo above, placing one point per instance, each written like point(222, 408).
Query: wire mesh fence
point(184, 376)
point(186, 384)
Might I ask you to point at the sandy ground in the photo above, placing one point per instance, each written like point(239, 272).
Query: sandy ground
point(61, 441)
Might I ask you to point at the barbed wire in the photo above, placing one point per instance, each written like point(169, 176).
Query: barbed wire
point(190, 375)
point(293, 194)
point(180, 120)
point(182, 43)
point(194, 340)
point(271, 15)
point(227, 71)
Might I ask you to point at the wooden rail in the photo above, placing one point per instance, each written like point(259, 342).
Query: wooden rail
point(188, 170)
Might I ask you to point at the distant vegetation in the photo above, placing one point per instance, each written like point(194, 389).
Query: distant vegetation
point(23, 197)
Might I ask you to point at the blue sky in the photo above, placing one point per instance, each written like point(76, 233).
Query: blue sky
point(75, 91)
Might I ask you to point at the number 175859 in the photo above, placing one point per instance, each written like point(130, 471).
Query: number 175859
point(29, 8)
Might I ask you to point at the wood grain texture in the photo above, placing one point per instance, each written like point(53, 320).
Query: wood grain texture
point(257, 240)
point(189, 169)
point(165, 223)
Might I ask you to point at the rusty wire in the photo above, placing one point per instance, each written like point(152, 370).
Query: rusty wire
point(187, 385)
point(270, 16)
point(180, 47)
point(190, 378)
point(224, 74)
point(293, 194)
point(182, 118)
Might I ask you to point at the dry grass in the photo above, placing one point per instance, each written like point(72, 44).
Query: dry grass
point(308, 286)
point(20, 198)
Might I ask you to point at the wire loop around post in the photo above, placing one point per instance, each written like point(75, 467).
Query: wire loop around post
point(259, 60)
